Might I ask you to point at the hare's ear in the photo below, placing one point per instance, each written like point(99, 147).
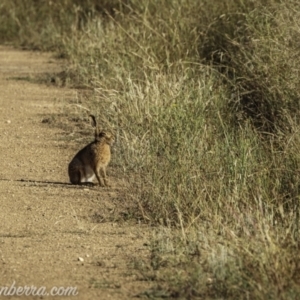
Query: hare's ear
point(94, 122)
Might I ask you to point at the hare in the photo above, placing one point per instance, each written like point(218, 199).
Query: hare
point(92, 159)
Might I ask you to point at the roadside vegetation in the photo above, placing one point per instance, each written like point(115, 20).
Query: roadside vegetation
point(204, 98)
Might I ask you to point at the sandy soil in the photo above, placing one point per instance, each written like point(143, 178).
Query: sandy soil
point(51, 233)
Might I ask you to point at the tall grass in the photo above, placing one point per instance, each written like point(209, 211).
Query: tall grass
point(204, 97)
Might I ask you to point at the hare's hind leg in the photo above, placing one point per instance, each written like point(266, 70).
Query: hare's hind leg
point(75, 177)
point(74, 172)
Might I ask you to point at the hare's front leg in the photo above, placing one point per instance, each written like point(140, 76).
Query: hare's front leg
point(99, 178)
point(105, 176)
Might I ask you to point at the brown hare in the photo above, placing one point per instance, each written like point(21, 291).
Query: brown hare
point(92, 159)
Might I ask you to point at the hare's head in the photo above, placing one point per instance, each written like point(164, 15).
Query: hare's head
point(107, 136)
point(102, 134)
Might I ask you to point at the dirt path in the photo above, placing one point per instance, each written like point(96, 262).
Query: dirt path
point(50, 233)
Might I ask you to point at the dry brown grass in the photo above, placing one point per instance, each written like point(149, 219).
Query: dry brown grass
point(205, 103)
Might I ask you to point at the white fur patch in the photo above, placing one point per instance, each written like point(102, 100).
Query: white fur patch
point(89, 175)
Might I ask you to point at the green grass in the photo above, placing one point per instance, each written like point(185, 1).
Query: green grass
point(204, 98)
